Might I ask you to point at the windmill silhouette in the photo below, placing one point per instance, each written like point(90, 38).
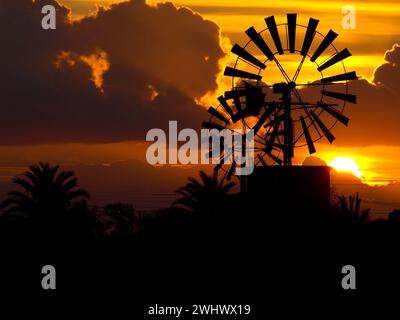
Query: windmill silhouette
point(281, 118)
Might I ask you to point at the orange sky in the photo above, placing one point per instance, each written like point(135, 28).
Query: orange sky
point(377, 21)
point(376, 31)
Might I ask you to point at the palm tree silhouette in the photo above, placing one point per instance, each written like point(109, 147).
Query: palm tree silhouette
point(351, 209)
point(205, 196)
point(123, 219)
point(45, 193)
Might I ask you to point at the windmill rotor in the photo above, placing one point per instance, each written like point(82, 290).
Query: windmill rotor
point(263, 96)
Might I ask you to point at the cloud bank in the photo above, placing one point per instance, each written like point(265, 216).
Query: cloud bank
point(108, 77)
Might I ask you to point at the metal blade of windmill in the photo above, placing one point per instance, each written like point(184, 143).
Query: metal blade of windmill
point(324, 45)
point(274, 134)
point(324, 129)
point(337, 115)
point(345, 53)
point(279, 146)
point(232, 72)
point(279, 133)
point(341, 77)
point(310, 144)
point(231, 171)
point(275, 158)
point(260, 43)
point(255, 99)
point(341, 96)
point(273, 30)
point(262, 160)
point(226, 106)
point(214, 112)
point(242, 92)
point(238, 105)
point(212, 125)
point(291, 22)
point(235, 93)
point(274, 121)
point(262, 120)
point(245, 55)
point(312, 26)
point(246, 89)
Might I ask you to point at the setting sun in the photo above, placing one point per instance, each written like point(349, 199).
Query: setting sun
point(346, 164)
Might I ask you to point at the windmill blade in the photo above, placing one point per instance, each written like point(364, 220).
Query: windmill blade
point(274, 134)
point(231, 171)
point(262, 120)
point(232, 72)
point(273, 157)
point(260, 43)
point(310, 144)
point(242, 53)
point(249, 89)
point(237, 103)
point(291, 22)
point(279, 146)
point(277, 119)
point(337, 115)
point(345, 53)
point(324, 129)
point(273, 30)
point(309, 37)
point(279, 133)
point(262, 160)
point(341, 77)
point(226, 106)
point(341, 96)
point(212, 125)
point(235, 93)
point(255, 98)
point(214, 112)
point(324, 45)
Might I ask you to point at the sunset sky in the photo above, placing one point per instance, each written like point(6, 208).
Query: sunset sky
point(86, 94)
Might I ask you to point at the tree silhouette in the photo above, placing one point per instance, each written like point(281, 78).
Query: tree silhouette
point(206, 196)
point(123, 219)
point(46, 193)
point(351, 209)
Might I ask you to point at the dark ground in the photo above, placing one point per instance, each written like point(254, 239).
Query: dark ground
point(291, 269)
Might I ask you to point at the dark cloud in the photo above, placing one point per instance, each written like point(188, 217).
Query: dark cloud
point(388, 74)
point(375, 119)
point(109, 77)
